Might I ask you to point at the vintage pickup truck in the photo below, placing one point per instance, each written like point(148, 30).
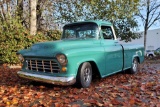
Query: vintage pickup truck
point(85, 48)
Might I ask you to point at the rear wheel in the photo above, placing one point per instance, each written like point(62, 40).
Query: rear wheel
point(134, 67)
point(150, 56)
point(84, 76)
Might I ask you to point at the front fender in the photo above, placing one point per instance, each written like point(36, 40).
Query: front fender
point(79, 56)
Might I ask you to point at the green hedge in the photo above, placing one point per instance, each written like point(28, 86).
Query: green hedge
point(14, 37)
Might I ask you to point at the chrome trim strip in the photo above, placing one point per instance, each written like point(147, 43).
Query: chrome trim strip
point(36, 65)
point(51, 66)
point(43, 66)
point(115, 37)
point(48, 79)
point(30, 64)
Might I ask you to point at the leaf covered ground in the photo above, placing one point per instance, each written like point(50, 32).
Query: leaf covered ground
point(119, 90)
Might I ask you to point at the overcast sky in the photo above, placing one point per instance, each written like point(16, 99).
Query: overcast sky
point(154, 26)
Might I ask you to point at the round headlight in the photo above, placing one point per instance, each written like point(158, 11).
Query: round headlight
point(20, 57)
point(61, 59)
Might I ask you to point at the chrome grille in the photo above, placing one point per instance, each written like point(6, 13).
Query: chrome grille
point(43, 66)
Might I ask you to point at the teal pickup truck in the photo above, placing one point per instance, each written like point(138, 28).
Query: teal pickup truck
point(86, 48)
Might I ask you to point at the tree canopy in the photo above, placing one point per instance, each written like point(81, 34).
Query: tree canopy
point(120, 13)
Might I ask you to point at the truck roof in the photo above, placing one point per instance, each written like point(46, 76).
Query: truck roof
point(98, 22)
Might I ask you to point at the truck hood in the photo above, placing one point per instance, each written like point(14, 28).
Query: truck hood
point(49, 49)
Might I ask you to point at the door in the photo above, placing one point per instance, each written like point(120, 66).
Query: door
point(113, 51)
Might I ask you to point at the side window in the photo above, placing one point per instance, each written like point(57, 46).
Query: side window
point(107, 32)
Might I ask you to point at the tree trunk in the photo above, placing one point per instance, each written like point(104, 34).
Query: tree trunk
point(9, 9)
point(3, 13)
point(39, 14)
point(20, 9)
point(146, 24)
point(33, 19)
point(145, 39)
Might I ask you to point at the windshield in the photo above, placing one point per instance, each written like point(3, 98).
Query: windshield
point(82, 30)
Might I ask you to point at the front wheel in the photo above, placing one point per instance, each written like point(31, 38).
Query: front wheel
point(84, 76)
point(134, 67)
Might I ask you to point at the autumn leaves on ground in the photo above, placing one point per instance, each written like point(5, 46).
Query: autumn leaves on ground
point(119, 90)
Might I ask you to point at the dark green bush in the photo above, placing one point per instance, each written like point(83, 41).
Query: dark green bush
point(54, 34)
point(15, 37)
point(157, 53)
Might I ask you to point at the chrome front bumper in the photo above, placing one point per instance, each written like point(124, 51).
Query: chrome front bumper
point(47, 79)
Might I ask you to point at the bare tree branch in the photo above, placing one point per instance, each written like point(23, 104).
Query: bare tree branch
point(152, 15)
point(152, 9)
point(156, 19)
point(152, 6)
point(141, 16)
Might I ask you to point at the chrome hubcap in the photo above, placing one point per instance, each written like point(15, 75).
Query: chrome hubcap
point(134, 66)
point(87, 75)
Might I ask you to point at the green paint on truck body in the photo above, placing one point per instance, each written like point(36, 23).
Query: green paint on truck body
point(107, 54)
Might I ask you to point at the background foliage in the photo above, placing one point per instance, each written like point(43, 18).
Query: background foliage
point(52, 15)
point(15, 23)
point(15, 37)
point(120, 12)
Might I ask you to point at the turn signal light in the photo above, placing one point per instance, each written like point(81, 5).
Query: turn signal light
point(64, 69)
